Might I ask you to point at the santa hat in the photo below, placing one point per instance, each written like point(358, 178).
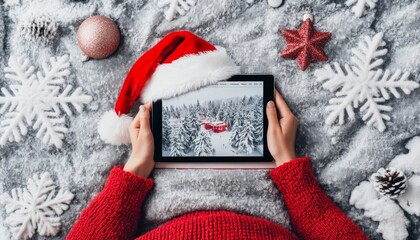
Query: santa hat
point(179, 63)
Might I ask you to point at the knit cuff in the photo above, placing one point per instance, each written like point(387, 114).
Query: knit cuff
point(127, 185)
point(296, 175)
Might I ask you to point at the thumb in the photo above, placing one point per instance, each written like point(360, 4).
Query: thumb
point(271, 111)
point(144, 118)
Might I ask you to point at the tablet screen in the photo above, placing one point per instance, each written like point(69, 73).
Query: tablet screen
point(225, 119)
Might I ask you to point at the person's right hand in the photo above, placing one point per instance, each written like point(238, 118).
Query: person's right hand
point(141, 161)
point(281, 133)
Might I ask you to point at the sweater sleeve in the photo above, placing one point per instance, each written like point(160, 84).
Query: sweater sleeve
point(115, 212)
point(313, 214)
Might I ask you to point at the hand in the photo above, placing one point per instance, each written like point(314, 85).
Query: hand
point(141, 161)
point(281, 134)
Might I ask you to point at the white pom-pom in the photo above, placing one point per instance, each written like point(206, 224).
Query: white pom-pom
point(113, 129)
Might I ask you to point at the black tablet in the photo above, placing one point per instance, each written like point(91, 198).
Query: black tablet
point(221, 123)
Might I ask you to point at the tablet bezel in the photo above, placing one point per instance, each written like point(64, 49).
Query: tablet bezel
point(268, 94)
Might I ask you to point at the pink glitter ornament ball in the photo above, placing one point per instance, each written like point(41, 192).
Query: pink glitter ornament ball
point(98, 37)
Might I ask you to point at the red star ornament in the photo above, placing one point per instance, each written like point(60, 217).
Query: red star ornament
point(305, 44)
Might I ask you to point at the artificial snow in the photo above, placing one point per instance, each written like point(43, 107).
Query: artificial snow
point(392, 222)
point(385, 210)
point(251, 35)
point(410, 200)
point(410, 162)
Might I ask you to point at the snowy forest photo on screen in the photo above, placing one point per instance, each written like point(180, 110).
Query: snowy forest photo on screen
point(220, 120)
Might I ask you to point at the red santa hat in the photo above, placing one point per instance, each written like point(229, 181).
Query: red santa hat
point(179, 63)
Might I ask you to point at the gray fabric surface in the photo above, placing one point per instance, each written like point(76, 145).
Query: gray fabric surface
point(342, 156)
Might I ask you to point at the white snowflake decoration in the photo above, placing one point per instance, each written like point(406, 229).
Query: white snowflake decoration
point(36, 100)
point(35, 208)
point(388, 212)
point(360, 6)
point(176, 6)
point(364, 83)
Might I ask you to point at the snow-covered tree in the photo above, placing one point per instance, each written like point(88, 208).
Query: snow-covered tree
point(243, 102)
point(229, 117)
point(176, 147)
point(185, 133)
point(166, 131)
point(178, 112)
point(246, 137)
point(165, 112)
point(211, 111)
point(234, 138)
point(221, 113)
point(257, 122)
point(203, 146)
point(195, 124)
point(251, 100)
point(198, 105)
point(171, 111)
point(237, 128)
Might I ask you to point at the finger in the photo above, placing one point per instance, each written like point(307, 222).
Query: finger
point(134, 127)
point(148, 106)
point(282, 106)
point(144, 118)
point(273, 122)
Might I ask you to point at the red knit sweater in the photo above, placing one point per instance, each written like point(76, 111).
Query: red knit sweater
point(115, 213)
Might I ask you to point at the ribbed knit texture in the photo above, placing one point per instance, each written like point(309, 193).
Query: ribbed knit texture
point(115, 213)
point(313, 214)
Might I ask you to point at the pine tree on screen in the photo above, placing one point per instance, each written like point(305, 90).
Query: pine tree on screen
point(198, 106)
point(229, 117)
point(246, 137)
point(176, 148)
point(257, 122)
point(251, 100)
point(166, 131)
point(221, 113)
point(185, 133)
point(236, 130)
point(203, 146)
point(195, 124)
point(178, 112)
point(171, 111)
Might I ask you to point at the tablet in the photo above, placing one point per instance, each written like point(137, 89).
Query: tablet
point(218, 126)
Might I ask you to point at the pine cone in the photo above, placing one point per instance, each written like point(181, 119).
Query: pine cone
point(39, 28)
point(389, 182)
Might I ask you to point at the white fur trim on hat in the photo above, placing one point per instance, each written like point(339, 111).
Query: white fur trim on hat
point(113, 129)
point(189, 73)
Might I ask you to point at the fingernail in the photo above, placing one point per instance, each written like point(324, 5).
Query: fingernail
point(270, 104)
point(142, 108)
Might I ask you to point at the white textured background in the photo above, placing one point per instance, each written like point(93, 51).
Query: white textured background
point(342, 156)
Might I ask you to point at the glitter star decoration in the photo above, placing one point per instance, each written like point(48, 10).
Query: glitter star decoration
point(306, 45)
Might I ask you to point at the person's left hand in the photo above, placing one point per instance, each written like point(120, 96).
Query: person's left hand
point(141, 161)
point(281, 133)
